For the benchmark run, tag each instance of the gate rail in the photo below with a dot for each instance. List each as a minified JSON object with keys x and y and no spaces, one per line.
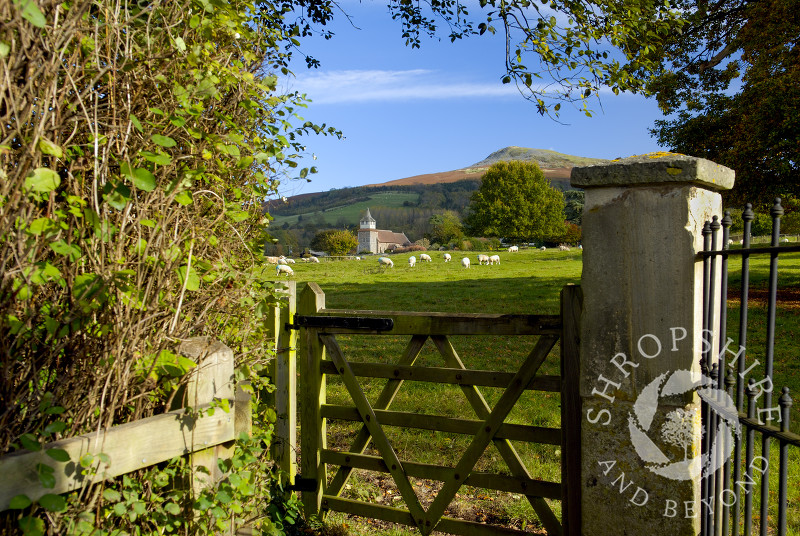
{"x":320,"y":355}
{"x":727,"y":495}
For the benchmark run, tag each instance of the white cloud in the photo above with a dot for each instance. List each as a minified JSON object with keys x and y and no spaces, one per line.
{"x":335,"y":87}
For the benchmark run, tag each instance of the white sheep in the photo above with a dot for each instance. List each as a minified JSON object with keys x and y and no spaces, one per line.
{"x":284,"y":269}
{"x":512,"y":249}
{"x":465,"y":262}
{"x":543,"y":248}
{"x":412,"y":261}
{"x":483,"y":259}
{"x":494,"y":259}
{"x":385,"y":261}
{"x":358,"y":258}
{"x":785,"y":239}
{"x":563,"y":248}
{"x":273,"y":260}
{"x":425,"y":257}
{"x":447,"y":257}
{"x":313,"y":259}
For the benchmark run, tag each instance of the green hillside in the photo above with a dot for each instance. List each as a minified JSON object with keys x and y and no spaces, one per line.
{"x":350,"y":212}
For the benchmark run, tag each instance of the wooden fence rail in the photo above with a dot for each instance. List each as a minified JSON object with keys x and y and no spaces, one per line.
{"x":146,"y":442}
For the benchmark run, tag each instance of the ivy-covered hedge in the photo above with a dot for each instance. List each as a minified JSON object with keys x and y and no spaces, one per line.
{"x":138,"y":142}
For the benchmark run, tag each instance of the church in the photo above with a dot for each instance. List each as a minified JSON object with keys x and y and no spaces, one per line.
{"x":375,"y":240}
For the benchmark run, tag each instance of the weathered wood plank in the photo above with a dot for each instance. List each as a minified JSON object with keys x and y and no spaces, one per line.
{"x":375,"y":511}
{"x":160,"y":438}
{"x":212,"y":379}
{"x":439,"y":423}
{"x":413,"y":323}
{"x":378,"y":437}
{"x":313,"y":430}
{"x":482,"y":378}
{"x":478,"y":479}
{"x":383,"y":402}
{"x":397,"y":515}
{"x":285,"y":380}
{"x":571,"y":307}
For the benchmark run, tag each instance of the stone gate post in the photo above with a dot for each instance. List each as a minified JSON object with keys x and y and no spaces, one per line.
{"x":641,"y":341}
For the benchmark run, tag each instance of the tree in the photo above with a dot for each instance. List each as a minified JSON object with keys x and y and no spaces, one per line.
{"x":516,"y":202}
{"x":733,"y":79}
{"x":445,"y":227}
{"x":335,"y":241}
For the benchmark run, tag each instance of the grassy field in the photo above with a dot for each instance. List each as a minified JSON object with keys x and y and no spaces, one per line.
{"x":353,"y":212}
{"x":524,"y":282}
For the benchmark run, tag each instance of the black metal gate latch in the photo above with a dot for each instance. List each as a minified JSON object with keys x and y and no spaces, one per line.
{"x":342,"y":322}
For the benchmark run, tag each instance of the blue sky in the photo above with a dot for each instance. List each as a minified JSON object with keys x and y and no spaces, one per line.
{"x":408,"y":112}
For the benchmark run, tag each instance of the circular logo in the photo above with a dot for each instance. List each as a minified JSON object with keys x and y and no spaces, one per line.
{"x":680,"y":425}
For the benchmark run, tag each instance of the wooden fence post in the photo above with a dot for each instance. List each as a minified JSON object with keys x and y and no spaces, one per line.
{"x":571,"y":306}
{"x":284,"y":376}
{"x":312,"y":426}
{"x":211,"y":380}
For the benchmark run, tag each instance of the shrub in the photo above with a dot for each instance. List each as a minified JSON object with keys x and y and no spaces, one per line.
{"x":139,"y":142}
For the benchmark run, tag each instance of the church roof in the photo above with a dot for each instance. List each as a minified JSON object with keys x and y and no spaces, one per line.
{"x":390,"y":237}
{"x":368,"y":217}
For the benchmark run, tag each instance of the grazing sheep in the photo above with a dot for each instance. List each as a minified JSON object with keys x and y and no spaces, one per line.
{"x":494,"y":259}
{"x":273,"y":260}
{"x":785,"y":239}
{"x":412,"y":261}
{"x":313,"y":259}
{"x":465,"y":262}
{"x":543,"y":248}
{"x":358,"y":258}
{"x":447,"y":257}
{"x":512,"y":249}
{"x":385,"y":261}
{"x":283,"y":269}
{"x":483,"y":259}
{"x":563,"y":248}
{"x":425,"y":257}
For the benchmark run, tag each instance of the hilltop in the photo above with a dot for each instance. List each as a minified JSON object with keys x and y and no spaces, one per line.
{"x":556,"y":167}
{"x":405,"y":205}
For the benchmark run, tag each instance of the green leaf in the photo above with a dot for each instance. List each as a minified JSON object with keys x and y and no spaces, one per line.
{"x":30,"y":442}
{"x":5,"y":48}
{"x":184,"y":198}
{"x":55,"y":427}
{"x":45,"y":473}
{"x":192,"y":282}
{"x":68,"y":250}
{"x":59,"y":455}
{"x":139,"y":507}
{"x":164,"y":141}
{"x":31,"y":12}
{"x":31,"y":526}
{"x":180,"y":44}
{"x":172,"y":508}
{"x":19,"y":502}
{"x":52,"y":502}
{"x":111,"y":495}
{"x":136,"y":123}
{"x":42,"y":180}
{"x":157,"y":158}
{"x":48,"y":147}
{"x":144,"y":180}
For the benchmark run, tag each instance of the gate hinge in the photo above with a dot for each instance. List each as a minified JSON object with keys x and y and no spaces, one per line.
{"x":342,"y":322}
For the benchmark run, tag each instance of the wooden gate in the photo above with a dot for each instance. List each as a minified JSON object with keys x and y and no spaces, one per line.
{"x":320,"y":354}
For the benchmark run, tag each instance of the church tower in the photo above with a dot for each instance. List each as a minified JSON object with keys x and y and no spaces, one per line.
{"x":367,"y":234}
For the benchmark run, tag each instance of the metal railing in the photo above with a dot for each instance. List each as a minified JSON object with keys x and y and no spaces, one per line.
{"x":727,"y":494}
